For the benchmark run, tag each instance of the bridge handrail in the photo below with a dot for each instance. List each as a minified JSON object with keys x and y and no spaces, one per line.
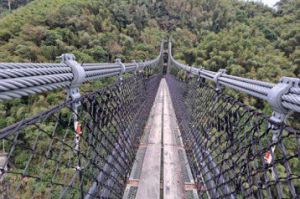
{"x":282,"y":97}
{"x":23,"y":79}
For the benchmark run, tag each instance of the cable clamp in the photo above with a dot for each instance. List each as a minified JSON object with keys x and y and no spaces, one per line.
{"x":279,"y":112}
{"x":78,"y":76}
{"x":216,"y":78}
{"x":275,"y":94}
{"x":199,"y":73}
{"x":123,"y":68}
{"x":137,"y":66}
{"x":191,"y":72}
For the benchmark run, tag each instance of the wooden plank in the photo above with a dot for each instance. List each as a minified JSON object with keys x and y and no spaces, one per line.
{"x":173,"y":179}
{"x":149,"y":184}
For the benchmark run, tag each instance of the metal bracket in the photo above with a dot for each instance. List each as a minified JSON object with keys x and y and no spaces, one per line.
{"x":137,"y":66}
{"x":191,"y":74}
{"x":274,"y":97}
{"x":123,"y":69}
{"x":216,"y":78}
{"x":199,"y":73}
{"x":78,"y":73}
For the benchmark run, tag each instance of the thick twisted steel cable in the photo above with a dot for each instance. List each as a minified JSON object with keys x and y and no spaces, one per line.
{"x":129,"y":65}
{"x":291,"y":106}
{"x":211,"y":72}
{"x":194,"y":70}
{"x":29,"y":72}
{"x":206,"y":77}
{"x":98,"y":64}
{"x":31,"y":65}
{"x":99,"y":72}
{"x":250,"y":92}
{"x":149,"y":63}
{"x":251,"y":87}
{"x":23,"y":79}
{"x":8,"y":95}
{"x":176,"y":64}
{"x":205,"y":72}
{"x":292,"y":98}
{"x":130,"y":69}
{"x":256,"y":82}
{"x":18,"y":83}
{"x":92,"y":68}
{"x":140,"y":64}
{"x":295,"y":90}
{"x":88,"y":79}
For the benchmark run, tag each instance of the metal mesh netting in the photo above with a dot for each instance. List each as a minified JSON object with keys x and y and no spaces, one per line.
{"x":43,"y":160}
{"x":230,"y":147}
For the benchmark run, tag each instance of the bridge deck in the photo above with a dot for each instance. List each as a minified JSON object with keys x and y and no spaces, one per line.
{"x":161,"y":168}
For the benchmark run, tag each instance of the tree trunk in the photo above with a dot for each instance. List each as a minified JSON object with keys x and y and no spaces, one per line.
{"x":9,"y":5}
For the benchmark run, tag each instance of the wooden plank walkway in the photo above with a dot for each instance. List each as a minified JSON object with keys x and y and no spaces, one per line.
{"x":173,"y":180}
{"x":161,"y":174}
{"x":149,"y":184}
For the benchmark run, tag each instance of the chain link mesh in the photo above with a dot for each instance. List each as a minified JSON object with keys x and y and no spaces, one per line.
{"x":231,"y":147}
{"x":44,"y":162}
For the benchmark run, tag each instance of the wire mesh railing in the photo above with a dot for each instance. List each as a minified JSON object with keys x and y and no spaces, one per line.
{"x":63,"y":153}
{"x":231,"y":148}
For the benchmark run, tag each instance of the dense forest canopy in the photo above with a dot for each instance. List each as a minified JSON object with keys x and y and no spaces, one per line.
{"x":248,"y":39}
{"x":244,"y":37}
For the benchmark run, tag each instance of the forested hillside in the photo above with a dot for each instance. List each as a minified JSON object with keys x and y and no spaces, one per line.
{"x":248,"y":39}
{"x":243,"y":37}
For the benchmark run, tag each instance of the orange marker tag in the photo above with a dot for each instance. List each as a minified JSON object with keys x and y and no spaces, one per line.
{"x":77,"y":126}
{"x":268,"y":158}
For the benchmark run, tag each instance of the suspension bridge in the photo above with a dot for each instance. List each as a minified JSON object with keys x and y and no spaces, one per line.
{"x":151,"y":134}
